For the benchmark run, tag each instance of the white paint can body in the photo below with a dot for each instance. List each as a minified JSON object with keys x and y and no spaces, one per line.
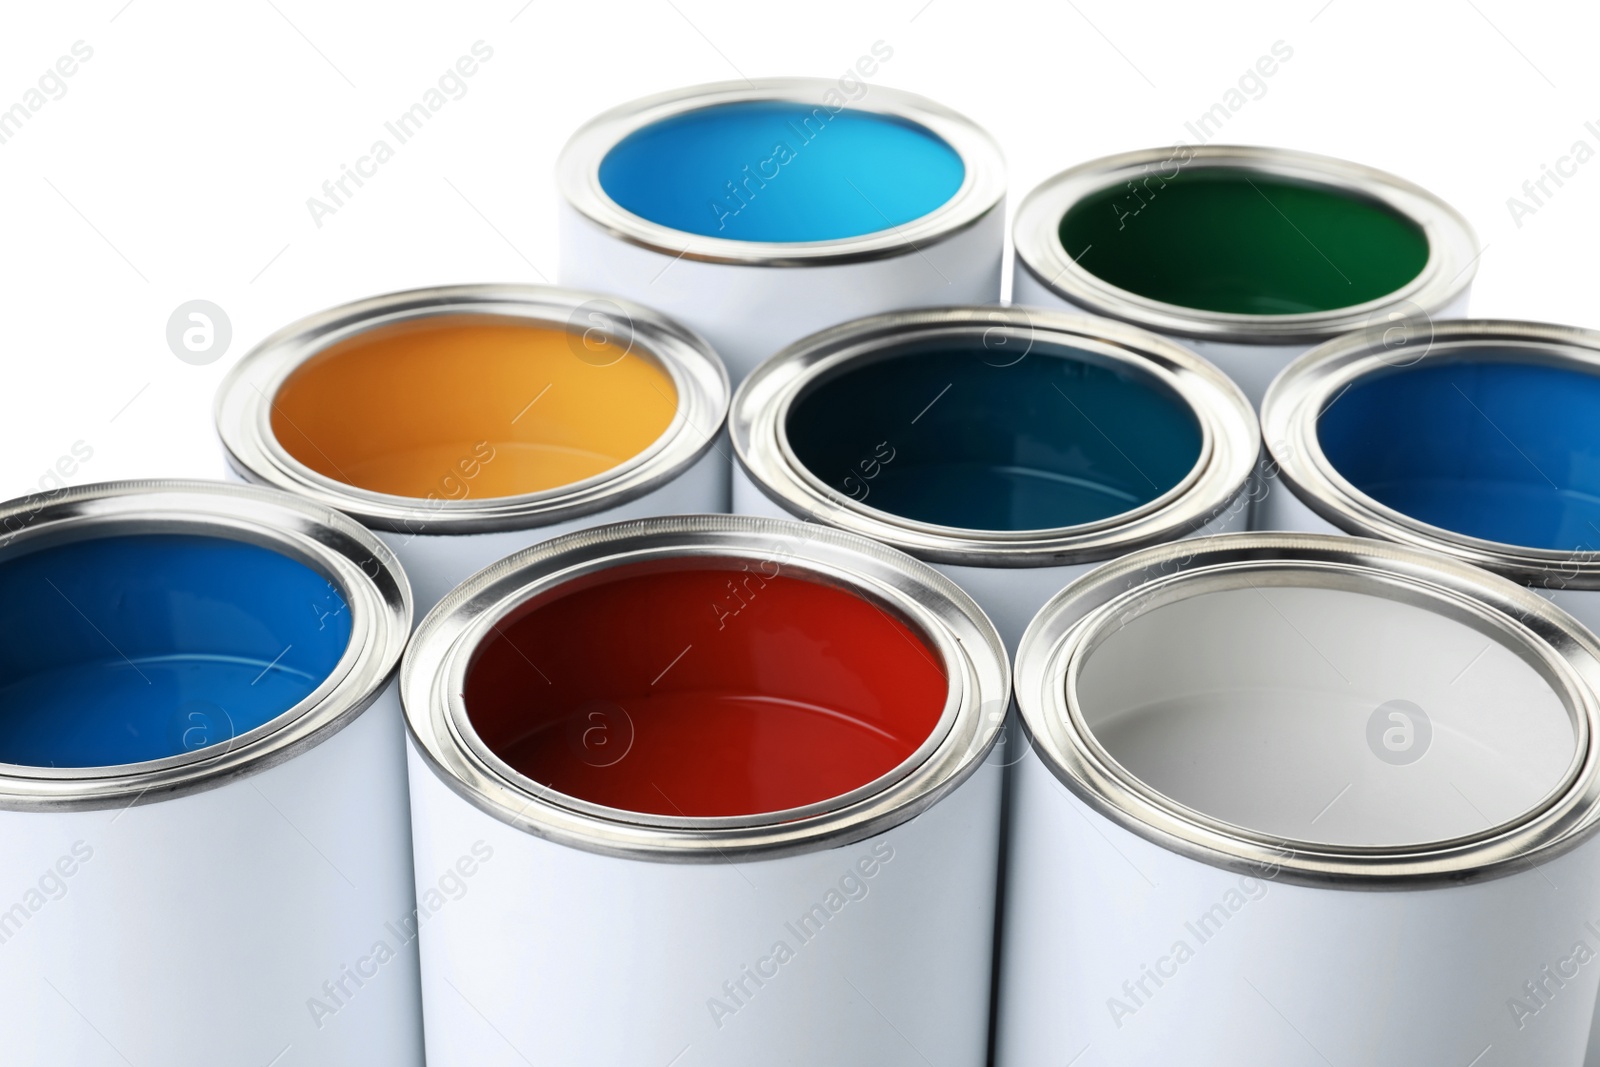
{"x":1266,"y":865}
{"x":752,"y":297}
{"x":1286,"y":294}
{"x":589,"y":934}
{"x":878,"y":426}
{"x":629,"y":403}
{"x":226,"y":904}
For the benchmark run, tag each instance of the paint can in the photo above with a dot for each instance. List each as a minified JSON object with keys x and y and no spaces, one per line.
{"x":203,"y":806}
{"x":1327,"y":799}
{"x":1480,"y":442}
{"x":1012,"y":448}
{"x":462,"y":423}
{"x":1250,"y":255}
{"x":708,"y":780}
{"x":758,"y":212}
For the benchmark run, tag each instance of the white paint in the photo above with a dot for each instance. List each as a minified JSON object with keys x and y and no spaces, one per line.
{"x":1288,"y":975}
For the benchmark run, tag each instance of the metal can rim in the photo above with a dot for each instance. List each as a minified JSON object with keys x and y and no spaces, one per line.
{"x":982,"y":189}
{"x":1298,"y":395}
{"x":1219,"y":480}
{"x":365,"y":570}
{"x":243,"y":405}
{"x":1452,"y":246}
{"x":1569,"y":655}
{"x":975,"y":662}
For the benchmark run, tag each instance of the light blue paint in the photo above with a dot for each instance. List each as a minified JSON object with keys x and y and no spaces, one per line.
{"x":777,"y":171}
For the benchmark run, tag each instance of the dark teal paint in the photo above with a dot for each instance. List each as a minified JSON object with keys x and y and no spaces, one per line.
{"x":1053,"y":440}
{"x":132,"y":648}
{"x":776,"y":171}
{"x":1501,"y":450}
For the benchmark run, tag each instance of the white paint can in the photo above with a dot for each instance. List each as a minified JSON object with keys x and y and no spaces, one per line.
{"x":1250,"y":255}
{"x":1014,"y":449}
{"x":705,"y":781}
{"x":1326,"y":799}
{"x":758,"y":212}
{"x":203,"y":807}
{"x":462,"y":423}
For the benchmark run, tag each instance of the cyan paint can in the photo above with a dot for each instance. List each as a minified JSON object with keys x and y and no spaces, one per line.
{"x":1013,"y":449}
{"x":1483,"y":443}
{"x":1249,"y":255}
{"x":462,"y":423}
{"x":203,"y":809}
{"x":761,"y":211}
{"x":1331,"y":800}
{"x":715,"y":786}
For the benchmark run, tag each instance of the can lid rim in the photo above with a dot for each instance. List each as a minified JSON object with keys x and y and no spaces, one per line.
{"x":1452,"y":246}
{"x":1058,"y":737}
{"x":243,"y":406}
{"x":957,"y":629}
{"x":981,"y":191}
{"x":1218,"y":482}
{"x":1299,"y":394}
{"x":368,"y":576}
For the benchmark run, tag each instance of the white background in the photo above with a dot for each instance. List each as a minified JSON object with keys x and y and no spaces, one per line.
{"x":178,"y":163}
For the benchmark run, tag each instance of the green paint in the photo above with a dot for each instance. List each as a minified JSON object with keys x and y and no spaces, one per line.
{"x":1231,"y":240}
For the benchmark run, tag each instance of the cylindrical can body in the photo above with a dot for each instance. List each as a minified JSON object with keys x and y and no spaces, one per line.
{"x":229,"y":892}
{"x":466,"y":422}
{"x":1478,"y":442}
{"x":1254,"y":813}
{"x":647,"y":887}
{"x":1013,"y":449}
{"x":1265,"y":253}
{"x":728,"y":960}
{"x":782,"y":253}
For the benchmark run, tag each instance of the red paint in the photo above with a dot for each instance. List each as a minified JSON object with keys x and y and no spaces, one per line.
{"x":790,"y":691}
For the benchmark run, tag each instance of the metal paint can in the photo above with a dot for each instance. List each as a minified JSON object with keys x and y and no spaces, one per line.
{"x":708,"y":780}
{"x":1249,"y":255}
{"x":465,"y":422}
{"x":1327,"y":799}
{"x":1014,"y":449}
{"x":1480,"y":443}
{"x":203,"y":807}
{"x":758,"y":212}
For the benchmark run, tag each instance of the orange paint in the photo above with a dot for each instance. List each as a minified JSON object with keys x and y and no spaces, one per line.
{"x":462,"y":406}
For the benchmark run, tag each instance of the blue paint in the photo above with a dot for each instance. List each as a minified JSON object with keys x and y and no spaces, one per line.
{"x":131,"y":648}
{"x":941,"y":436}
{"x":1501,"y":450}
{"x":776,"y":171}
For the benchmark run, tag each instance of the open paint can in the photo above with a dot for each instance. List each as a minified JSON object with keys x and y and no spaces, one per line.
{"x":1327,"y":799}
{"x":1483,"y":443}
{"x":465,"y":422}
{"x":203,"y":806}
{"x":761,"y":211}
{"x":1250,"y":255}
{"x":714,"y":786}
{"x":1013,"y":449}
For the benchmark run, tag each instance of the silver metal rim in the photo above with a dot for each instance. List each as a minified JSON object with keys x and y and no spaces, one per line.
{"x":1230,"y":447}
{"x":1306,"y":387}
{"x":982,"y":189}
{"x":1452,"y":247}
{"x":361,"y":566}
{"x":244,"y":405}
{"x":955,"y":627}
{"x":1546,"y":637}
